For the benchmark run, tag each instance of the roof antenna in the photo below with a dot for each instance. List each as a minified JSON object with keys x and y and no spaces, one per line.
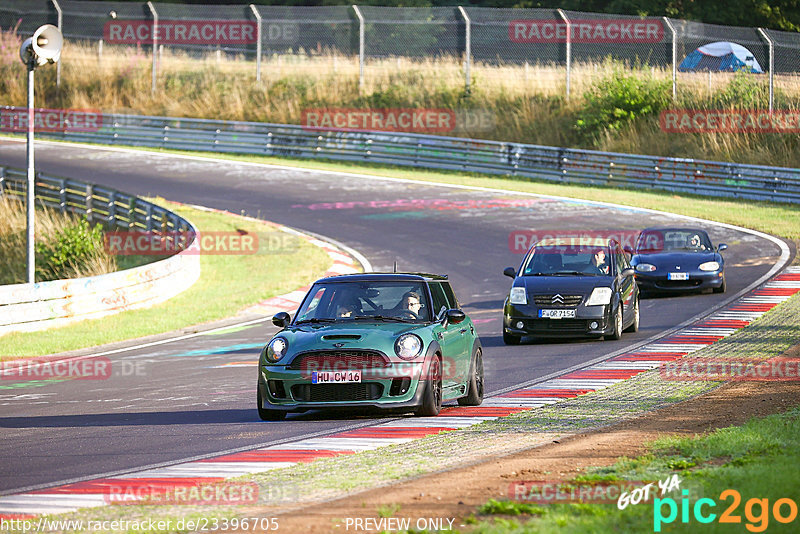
{"x":395,"y":266}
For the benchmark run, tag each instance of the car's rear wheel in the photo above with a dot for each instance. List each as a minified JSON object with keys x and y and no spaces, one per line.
{"x":475,"y":389}
{"x":268,"y":415}
{"x":510,"y":339}
{"x":432,"y":397}
{"x":634,"y":326}
{"x":617,"y":332}
{"x":721,"y":288}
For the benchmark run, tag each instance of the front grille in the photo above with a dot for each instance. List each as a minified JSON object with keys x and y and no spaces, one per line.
{"x":671,"y":284}
{"x":569,"y":301}
{"x":364,"y":391}
{"x":339,"y":360}
{"x":543,"y":326}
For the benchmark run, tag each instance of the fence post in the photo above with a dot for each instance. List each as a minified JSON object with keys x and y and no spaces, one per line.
{"x":360,"y":46}
{"x":89,"y":202}
{"x":771,"y":66}
{"x":60,"y":23}
{"x":155,"y":46}
{"x":467,"y":48}
{"x":674,"y":57}
{"x":2,"y":181}
{"x":569,"y":45}
{"x":258,"y":44}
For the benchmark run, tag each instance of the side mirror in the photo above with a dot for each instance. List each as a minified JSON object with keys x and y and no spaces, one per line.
{"x":721,"y":247}
{"x":510,"y":272}
{"x":281,"y":319}
{"x":454,"y":316}
{"x":627,"y":272}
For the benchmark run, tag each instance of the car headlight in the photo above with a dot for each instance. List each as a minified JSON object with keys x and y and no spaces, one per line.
{"x":518,"y":296}
{"x":276,"y":349}
{"x":709,"y":266}
{"x":645,"y":267}
{"x":600,"y":296}
{"x":408,"y":346}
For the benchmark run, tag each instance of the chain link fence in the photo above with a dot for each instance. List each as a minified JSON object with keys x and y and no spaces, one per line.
{"x":570,"y":44}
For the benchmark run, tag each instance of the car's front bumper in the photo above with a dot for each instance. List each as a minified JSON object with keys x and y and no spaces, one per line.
{"x":697,"y":281}
{"x":395,"y":387}
{"x":589,"y":321}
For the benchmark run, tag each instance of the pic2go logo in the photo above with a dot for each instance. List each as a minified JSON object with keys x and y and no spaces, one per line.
{"x":756,"y":511}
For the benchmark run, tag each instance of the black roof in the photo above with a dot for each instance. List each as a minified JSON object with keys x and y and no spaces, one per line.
{"x":384,"y":277}
{"x":675,"y":229}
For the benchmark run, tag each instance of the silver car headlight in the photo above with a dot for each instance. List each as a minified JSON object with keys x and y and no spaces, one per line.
{"x":709,"y":266}
{"x":408,"y":346}
{"x":518,"y":296}
{"x":600,"y":296}
{"x":276,"y":349}
{"x":645,"y":267}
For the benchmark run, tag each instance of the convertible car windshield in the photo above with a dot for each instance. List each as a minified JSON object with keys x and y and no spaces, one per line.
{"x":676,"y":240}
{"x":361,"y":301}
{"x":561,"y":260}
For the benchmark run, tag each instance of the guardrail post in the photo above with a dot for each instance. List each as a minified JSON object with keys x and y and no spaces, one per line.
{"x":2,"y":181}
{"x":89,"y":201}
{"x":467,"y":48}
{"x":62,"y":195}
{"x":148,"y":218}
{"x":569,"y":45}
{"x":360,"y":47}
{"x":112,"y":210}
{"x":258,"y":38}
{"x":674,"y":57}
{"x":155,"y":46}
{"x":59,"y":25}
{"x":771,"y":66}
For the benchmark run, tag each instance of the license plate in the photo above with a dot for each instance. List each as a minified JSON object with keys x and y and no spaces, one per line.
{"x":335,"y":377}
{"x":678,"y":276}
{"x":556,"y":314}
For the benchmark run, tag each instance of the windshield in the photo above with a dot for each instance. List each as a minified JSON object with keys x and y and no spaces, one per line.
{"x":653,"y":241}
{"x":566,"y":260}
{"x":363,"y":301}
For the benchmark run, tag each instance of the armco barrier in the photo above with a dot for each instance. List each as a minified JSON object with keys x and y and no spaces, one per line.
{"x":437,"y":152}
{"x":30,"y":307}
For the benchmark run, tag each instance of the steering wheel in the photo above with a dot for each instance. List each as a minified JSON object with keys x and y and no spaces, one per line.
{"x":408,"y":314}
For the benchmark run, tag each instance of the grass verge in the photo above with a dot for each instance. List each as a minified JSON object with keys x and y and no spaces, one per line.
{"x":227,"y":284}
{"x":758,"y":461}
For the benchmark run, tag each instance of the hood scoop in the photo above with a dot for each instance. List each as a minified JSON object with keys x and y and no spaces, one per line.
{"x":340,"y":337}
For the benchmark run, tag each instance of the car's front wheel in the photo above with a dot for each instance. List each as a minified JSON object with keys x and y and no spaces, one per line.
{"x":510,"y":339}
{"x":634,"y":326}
{"x":475,"y":389}
{"x":268,"y":415}
{"x":721,"y":288}
{"x":432,"y":397}
{"x":617,"y":332}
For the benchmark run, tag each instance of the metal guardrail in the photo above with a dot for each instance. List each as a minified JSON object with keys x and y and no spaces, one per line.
{"x":710,"y":178}
{"x":30,"y":307}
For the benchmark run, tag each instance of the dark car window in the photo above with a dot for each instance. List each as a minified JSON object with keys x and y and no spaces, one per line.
{"x":439,"y":299}
{"x":564,"y":260}
{"x":341,"y":301}
{"x":620,"y":260}
{"x":673,"y":240}
{"x":451,"y":297}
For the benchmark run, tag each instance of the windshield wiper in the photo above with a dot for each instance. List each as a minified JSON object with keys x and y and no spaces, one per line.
{"x":315,"y":320}
{"x":577,"y":273}
{"x":535,"y":274}
{"x":381,"y":318}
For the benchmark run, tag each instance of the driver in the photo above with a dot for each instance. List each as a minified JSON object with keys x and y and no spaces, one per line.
{"x":598,"y":263}
{"x":411,"y":302}
{"x":695,"y":243}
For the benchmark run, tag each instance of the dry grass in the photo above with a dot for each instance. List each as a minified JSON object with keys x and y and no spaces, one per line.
{"x":48,"y":225}
{"x":527,"y":102}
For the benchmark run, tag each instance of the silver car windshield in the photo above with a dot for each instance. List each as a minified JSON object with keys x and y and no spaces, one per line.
{"x":567,"y":260}
{"x":365,"y":300}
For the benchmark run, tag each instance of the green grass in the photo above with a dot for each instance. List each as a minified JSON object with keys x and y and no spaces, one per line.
{"x":227,"y":284}
{"x":758,"y":460}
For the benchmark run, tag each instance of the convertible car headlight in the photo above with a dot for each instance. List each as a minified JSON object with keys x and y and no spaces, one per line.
{"x":709,"y":266}
{"x":276,"y":349}
{"x":408,"y":346}
{"x":518,"y":296}
{"x":600,"y":296}
{"x":645,"y":267}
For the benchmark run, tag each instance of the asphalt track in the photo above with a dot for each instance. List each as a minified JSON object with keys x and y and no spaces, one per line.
{"x":196,"y":397}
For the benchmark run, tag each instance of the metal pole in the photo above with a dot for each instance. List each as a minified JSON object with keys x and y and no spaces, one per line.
{"x":155,"y":46}
{"x":360,"y":46}
{"x":467,"y":48}
{"x":258,"y":44}
{"x":569,"y":45}
{"x":29,"y":193}
{"x":60,"y":22}
{"x":674,"y":57}
{"x":771,"y":66}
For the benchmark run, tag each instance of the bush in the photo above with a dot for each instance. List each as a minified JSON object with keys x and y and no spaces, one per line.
{"x":74,"y":250}
{"x":615,"y":101}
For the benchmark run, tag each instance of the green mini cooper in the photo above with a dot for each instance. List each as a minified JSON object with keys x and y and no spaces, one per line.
{"x":377,"y":340}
